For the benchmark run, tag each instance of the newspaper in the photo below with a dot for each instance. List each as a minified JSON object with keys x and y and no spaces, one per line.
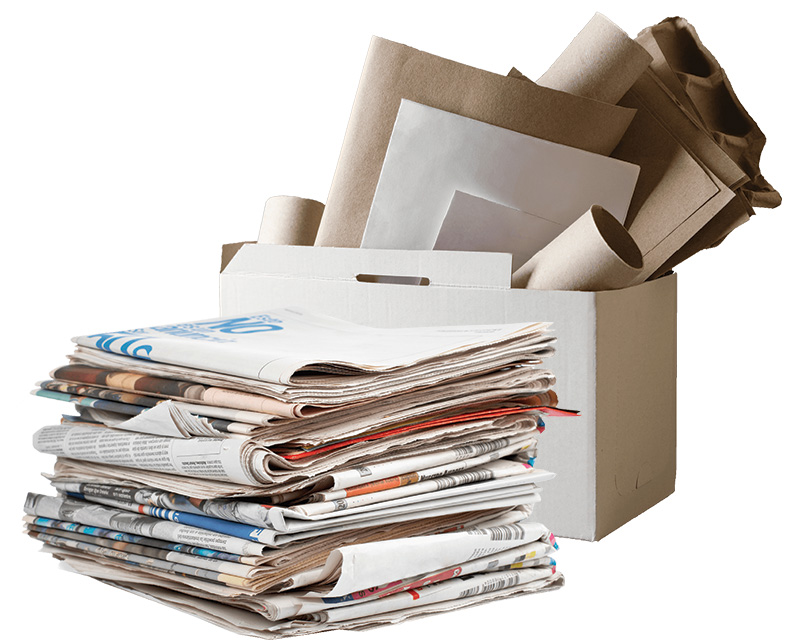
{"x":331,"y":389}
{"x":299,"y":555}
{"x":383,"y":490}
{"x":240,"y":621}
{"x":144,"y":542}
{"x":385,"y":466}
{"x":294,"y":518}
{"x":280,"y":616}
{"x":286,"y":473}
{"x":382,"y":566}
{"x":281,"y":345}
{"x":105,"y":511}
{"x":246,"y":461}
{"x":282,"y":606}
{"x":522,"y":382}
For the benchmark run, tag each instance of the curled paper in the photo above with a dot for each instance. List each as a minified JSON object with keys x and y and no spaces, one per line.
{"x":290,"y":220}
{"x":594,"y":253}
{"x":601,"y":62}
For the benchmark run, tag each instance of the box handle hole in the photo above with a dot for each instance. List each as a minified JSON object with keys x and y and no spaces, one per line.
{"x":406,"y":280}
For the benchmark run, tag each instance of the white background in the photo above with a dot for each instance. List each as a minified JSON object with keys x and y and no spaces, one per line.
{"x":138,"y":137}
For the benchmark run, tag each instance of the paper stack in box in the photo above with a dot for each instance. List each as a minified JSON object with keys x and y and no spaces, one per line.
{"x":626,"y":157}
{"x":287,"y":473}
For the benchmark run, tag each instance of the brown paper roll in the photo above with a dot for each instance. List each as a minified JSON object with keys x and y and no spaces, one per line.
{"x":290,"y":220}
{"x":594,"y":253}
{"x":602,"y":63}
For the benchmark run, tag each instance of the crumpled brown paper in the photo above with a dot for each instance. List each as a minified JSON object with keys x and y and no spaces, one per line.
{"x":701,"y":85}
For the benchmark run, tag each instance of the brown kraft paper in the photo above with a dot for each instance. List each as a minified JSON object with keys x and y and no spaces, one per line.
{"x":702,"y":87}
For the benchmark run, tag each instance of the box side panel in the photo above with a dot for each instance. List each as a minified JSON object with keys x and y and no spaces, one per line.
{"x":567,"y":447}
{"x":636,"y":401}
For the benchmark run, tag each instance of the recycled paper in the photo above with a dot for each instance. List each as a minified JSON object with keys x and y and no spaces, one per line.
{"x":433,"y":153}
{"x":684,"y":200}
{"x":393,"y":72}
{"x":595,"y":253}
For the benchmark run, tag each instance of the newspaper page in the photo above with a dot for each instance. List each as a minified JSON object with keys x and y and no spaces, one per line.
{"x":489,"y":496}
{"x":328,"y":389}
{"x":95,"y":515}
{"x":289,"y":605}
{"x":368,"y":565}
{"x":274,"y":346}
{"x":212,"y":458}
{"x":238,"y":620}
{"x":244,"y":461}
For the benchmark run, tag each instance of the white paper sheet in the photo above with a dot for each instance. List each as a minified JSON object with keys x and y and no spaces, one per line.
{"x":433,"y":153}
{"x":477,"y":224}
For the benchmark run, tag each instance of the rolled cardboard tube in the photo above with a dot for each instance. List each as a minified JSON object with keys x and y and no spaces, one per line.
{"x":290,"y":220}
{"x":601,"y":62}
{"x":594,"y":253}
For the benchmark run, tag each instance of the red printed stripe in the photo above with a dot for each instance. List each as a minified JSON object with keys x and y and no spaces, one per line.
{"x":467,"y":417}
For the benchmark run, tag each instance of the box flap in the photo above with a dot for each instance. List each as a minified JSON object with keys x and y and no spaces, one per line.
{"x":437,"y":268}
{"x":228,"y":251}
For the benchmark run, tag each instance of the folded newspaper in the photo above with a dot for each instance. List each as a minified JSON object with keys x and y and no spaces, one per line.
{"x":287,"y":473}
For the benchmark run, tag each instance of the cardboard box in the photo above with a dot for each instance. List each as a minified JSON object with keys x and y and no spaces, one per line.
{"x":615,"y":356}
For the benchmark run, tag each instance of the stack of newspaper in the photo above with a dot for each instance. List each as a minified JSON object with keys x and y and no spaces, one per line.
{"x":286,"y":473}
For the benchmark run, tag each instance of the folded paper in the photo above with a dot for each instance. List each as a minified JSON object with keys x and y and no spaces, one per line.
{"x":290,"y":220}
{"x":393,"y":71}
{"x":595,"y":253}
{"x":433,"y":153}
{"x":477,"y":224}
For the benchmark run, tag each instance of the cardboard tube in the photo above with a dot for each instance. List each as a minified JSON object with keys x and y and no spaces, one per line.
{"x":290,"y":220}
{"x":594,"y":253}
{"x":602,"y":63}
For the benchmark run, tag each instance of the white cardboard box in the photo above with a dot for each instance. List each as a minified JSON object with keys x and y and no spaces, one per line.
{"x":615,"y":356}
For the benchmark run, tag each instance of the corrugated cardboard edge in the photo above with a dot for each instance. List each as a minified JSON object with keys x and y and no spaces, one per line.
{"x":636,"y":401}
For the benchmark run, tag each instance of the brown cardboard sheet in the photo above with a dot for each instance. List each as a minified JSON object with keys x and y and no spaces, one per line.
{"x":290,"y":220}
{"x":601,"y":62}
{"x":393,"y":71}
{"x":732,"y":215}
{"x":595,"y":253}
{"x":677,"y":195}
